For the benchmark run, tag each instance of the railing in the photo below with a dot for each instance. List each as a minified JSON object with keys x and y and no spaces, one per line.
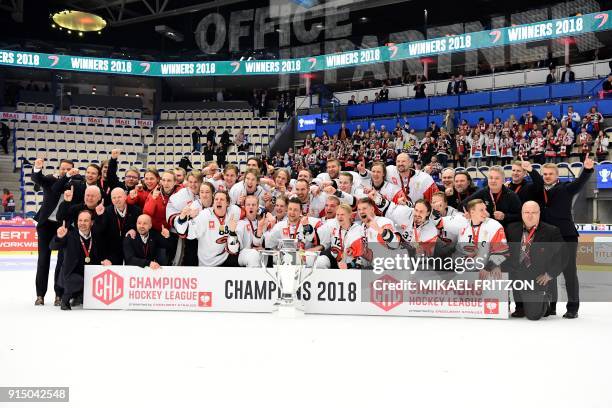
{"x":494,"y":81}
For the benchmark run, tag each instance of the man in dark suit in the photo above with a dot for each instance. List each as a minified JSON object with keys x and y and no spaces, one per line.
{"x":557,"y":199}
{"x":568,"y":75}
{"x":461,"y":85}
{"x":119,"y":220}
{"x":46,"y":218}
{"x":93,"y":174}
{"x":147,"y":247}
{"x":463,"y":187}
{"x":450,"y":88}
{"x":69,"y":209}
{"x":502,"y":203}
{"x":518,"y":184}
{"x":82,"y":246}
{"x":536,"y":255}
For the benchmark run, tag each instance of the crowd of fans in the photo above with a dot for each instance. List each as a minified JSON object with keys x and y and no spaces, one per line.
{"x":541,"y":140}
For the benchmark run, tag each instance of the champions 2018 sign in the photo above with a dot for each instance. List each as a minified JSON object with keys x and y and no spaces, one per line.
{"x":545,"y":30}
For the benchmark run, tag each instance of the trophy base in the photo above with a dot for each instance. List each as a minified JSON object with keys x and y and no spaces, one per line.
{"x":288,"y":310}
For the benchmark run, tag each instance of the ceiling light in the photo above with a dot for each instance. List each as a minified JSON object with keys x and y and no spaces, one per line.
{"x":79,"y":21}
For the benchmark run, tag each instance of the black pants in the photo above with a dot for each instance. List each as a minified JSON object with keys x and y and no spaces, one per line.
{"x":570,"y":274}
{"x":46,"y":231}
{"x":4,"y":143}
{"x":535,"y":302}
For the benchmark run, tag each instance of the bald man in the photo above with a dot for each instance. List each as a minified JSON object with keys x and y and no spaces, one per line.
{"x":118,"y":220}
{"x":147,"y":248}
{"x":536,"y":255}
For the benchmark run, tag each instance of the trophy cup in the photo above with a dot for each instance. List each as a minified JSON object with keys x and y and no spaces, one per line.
{"x":290,"y":271}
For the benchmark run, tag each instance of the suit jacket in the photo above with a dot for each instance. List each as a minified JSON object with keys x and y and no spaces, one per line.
{"x":546,"y":252}
{"x":568,"y":78}
{"x":114,"y":230}
{"x":457,"y":198}
{"x":53,"y":189}
{"x":460,"y":86}
{"x":508,"y":203}
{"x":526,"y":190}
{"x":557,"y":202}
{"x":73,"y":265}
{"x":450,"y":88}
{"x":134,"y":250}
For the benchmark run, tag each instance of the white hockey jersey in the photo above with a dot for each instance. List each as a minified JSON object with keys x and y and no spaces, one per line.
{"x":419,"y":185}
{"x":211,"y":233}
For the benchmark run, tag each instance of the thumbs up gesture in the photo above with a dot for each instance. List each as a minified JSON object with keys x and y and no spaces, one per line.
{"x":62,"y":231}
{"x":588,"y":162}
{"x":39,"y":163}
{"x":155,"y":193}
{"x":115,"y":153}
{"x":68,"y":194}
{"x":164,"y":232}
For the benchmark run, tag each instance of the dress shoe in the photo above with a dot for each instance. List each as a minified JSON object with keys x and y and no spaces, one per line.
{"x":570,"y":315}
{"x":58,"y":301}
{"x":550,"y":312}
{"x":40,"y":301}
{"x":65,"y":305}
{"x":77,"y":301}
{"x":518,"y":313}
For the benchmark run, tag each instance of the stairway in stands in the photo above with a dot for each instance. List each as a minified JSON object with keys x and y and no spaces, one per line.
{"x":9,"y":179}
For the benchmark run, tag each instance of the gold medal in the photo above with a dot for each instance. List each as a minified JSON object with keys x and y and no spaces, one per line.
{"x":87,"y":259}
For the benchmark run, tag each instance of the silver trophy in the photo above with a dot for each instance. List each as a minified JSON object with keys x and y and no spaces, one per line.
{"x":292,"y":267}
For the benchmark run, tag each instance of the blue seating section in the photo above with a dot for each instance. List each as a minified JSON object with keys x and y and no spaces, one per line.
{"x":534,"y":94}
{"x":421,"y":122}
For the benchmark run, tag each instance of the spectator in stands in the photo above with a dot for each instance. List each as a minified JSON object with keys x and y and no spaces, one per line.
{"x":5,"y":134}
{"x":549,"y":119}
{"x":365,"y":99}
{"x":280,"y":108}
{"x":601,"y":146}
{"x":241,"y":142}
{"x":607,"y":87}
{"x":352,"y":101}
{"x":419,"y":88}
{"x":594,"y":119}
{"x":551,"y":77}
{"x":450,"y":88}
{"x":209,"y":151}
{"x":383,"y":95}
{"x":572,"y":119}
{"x":211,"y":135}
{"x":461,"y":85}
{"x":568,"y":75}
{"x":443,"y":148}
{"x":254,"y":101}
{"x":196,"y":137}
{"x":8,"y":200}
{"x":376,"y":97}
{"x":263,"y":104}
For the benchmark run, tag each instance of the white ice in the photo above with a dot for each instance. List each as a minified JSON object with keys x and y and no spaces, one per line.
{"x":177,"y":359}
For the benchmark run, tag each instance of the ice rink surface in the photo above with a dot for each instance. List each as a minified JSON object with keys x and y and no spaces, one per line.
{"x":181,"y":359}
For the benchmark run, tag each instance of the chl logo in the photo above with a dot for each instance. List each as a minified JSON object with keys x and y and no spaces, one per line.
{"x":491,"y":306}
{"x":205,"y":299}
{"x":386,"y":299}
{"x":107,"y":287}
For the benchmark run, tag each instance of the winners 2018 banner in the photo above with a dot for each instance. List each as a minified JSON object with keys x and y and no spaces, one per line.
{"x":545,"y":30}
{"x":349,"y":292}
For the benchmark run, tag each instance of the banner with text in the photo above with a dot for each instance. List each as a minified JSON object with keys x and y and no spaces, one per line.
{"x":251,"y":290}
{"x":545,"y":30}
{"x":96,"y":120}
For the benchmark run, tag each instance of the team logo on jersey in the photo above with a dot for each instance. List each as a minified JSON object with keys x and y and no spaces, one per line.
{"x":211,"y":225}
